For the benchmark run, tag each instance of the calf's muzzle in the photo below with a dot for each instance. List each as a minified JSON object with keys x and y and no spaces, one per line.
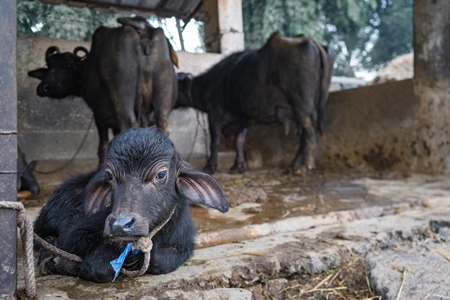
{"x":125,"y":226}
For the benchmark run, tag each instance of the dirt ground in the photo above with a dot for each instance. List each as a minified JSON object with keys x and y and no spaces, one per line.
{"x":264,"y":197}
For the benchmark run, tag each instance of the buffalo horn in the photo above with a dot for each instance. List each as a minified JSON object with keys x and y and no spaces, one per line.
{"x":80,"y":48}
{"x":50,"y":51}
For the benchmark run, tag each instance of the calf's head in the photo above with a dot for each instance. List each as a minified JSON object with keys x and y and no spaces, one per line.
{"x":62,"y":78}
{"x":144,"y":180}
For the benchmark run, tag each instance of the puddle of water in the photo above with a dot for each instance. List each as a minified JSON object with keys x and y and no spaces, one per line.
{"x":287,"y":196}
{"x":268,"y":195}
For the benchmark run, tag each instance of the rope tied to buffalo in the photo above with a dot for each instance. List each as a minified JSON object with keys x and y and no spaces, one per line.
{"x":143,"y":244}
{"x":25,"y":225}
{"x":26,"y":233}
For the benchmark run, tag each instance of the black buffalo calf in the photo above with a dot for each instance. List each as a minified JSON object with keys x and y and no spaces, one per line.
{"x":142,"y":181}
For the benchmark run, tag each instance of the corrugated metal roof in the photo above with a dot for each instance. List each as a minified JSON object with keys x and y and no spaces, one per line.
{"x":182,"y":9}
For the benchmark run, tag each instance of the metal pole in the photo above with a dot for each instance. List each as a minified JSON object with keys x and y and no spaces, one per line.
{"x":8,"y":149}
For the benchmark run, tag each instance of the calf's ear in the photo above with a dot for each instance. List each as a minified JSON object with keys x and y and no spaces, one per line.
{"x":200,"y":188}
{"x":38,"y":73}
{"x":98,"y":195}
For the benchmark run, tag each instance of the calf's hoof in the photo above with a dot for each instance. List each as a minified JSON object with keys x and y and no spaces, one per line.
{"x":44,"y":268}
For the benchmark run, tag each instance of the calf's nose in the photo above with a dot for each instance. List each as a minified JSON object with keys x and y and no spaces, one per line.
{"x":122,"y":225}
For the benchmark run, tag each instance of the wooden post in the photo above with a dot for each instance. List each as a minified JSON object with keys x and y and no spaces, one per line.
{"x":8,"y":149}
{"x":224,"y":31}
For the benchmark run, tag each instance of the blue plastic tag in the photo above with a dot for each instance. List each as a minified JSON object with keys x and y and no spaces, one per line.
{"x":118,"y":262}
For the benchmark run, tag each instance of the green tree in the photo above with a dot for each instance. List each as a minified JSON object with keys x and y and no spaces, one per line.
{"x":263,"y":17}
{"x":63,"y":22}
{"x":364,"y":33}
{"x":345,"y":23}
{"x":60,"y":21}
{"x":392,"y":27}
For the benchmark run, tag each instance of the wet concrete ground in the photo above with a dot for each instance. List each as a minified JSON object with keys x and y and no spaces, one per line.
{"x":272,"y":217}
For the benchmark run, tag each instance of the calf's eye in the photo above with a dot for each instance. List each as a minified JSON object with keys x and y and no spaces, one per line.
{"x":161,"y":175}
{"x":109,"y":175}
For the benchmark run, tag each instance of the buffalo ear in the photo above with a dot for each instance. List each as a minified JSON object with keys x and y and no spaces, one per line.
{"x":200,"y":188}
{"x":38,"y":73}
{"x":98,"y":196}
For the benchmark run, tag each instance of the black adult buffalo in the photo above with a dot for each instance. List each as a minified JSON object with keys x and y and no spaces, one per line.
{"x":287,"y":80}
{"x":127,"y":78}
{"x":142,"y":183}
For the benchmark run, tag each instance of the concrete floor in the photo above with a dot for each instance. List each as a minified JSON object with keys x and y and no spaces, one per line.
{"x":278,"y":225}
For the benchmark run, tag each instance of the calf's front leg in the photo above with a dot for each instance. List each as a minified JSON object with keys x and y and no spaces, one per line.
{"x":95,"y":266}
{"x":166,"y":260}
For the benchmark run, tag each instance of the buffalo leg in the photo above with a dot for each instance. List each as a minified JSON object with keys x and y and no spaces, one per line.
{"x":305,"y":154}
{"x":103,"y":140}
{"x":214,"y":131}
{"x":239,"y":162}
{"x":164,"y":96}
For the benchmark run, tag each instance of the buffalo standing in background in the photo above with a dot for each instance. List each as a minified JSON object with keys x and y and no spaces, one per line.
{"x":287,"y":81}
{"x":142,"y":180}
{"x":127,"y":78}
{"x":25,"y":178}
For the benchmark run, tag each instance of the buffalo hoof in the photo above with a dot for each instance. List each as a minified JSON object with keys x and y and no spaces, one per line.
{"x":303,"y":170}
{"x":310,"y":165}
{"x":209,"y":169}
{"x":237,"y":169}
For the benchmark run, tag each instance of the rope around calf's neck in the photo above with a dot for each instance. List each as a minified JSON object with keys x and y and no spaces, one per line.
{"x":145,"y":245}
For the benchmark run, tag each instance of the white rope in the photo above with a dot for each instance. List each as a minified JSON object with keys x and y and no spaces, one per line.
{"x":26,"y":232}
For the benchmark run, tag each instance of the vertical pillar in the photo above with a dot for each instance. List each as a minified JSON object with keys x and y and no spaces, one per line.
{"x":224,"y":31}
{"x":8,"y":149}
{"x":431,"y":81}
{"x":211,"y":26}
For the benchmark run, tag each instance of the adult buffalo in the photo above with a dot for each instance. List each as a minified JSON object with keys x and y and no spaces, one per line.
{"x":287,"y":80}
{"x":127,"y":78}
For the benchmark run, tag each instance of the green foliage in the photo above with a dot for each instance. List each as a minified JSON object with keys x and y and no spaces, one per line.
{"x":263,"y":17}
{"x":364,"y":33}
{"x":393,"y":27}
{"x":60,"y":21}
{"x":63,"y":22}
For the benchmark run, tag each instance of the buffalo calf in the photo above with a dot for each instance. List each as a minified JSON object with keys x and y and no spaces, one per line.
{"x":142,"y":181}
